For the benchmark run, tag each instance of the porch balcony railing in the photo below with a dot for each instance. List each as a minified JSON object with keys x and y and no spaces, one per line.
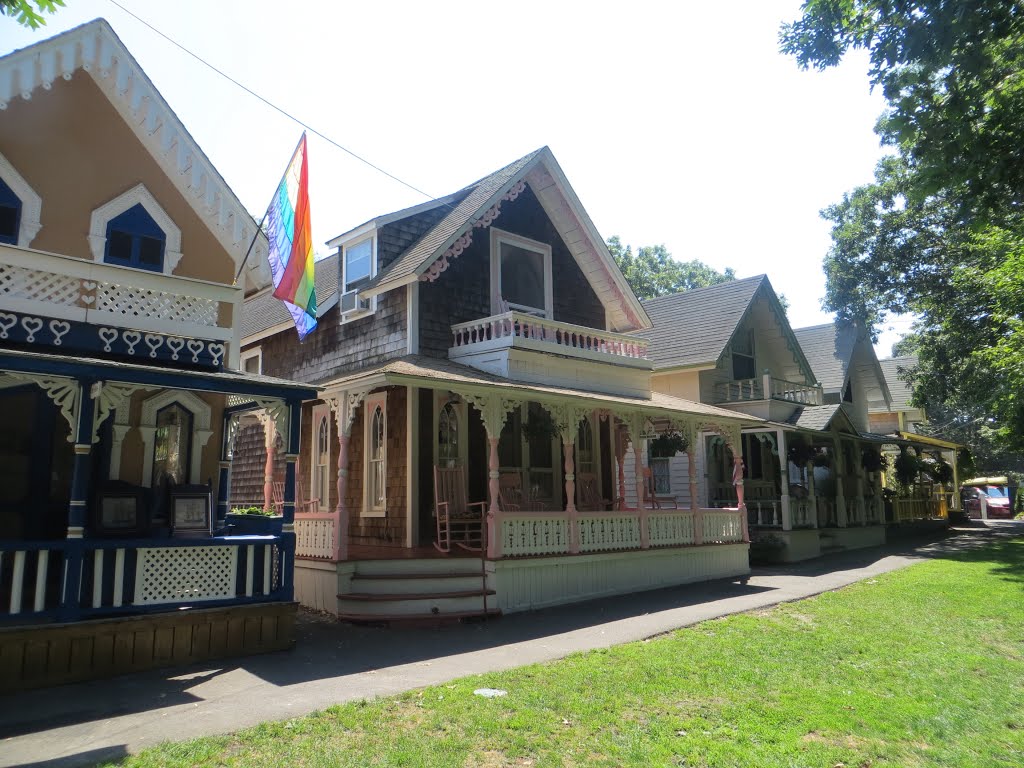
{"x":907,"y":510}
{"x":315,"y":536}
{"x":767,"y":387}
{"x":519,"y":329}
{"x":802,"y":511}
{"x":69,"y":289}
{"x":135,"y":576}
{"x":523,"y":534}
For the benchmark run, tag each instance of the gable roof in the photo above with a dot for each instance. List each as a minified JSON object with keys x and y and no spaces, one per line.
{"x":263,"y":312}
{"x":831,"y":348}
{"x":95,"y":49}
{"x":899,"y":389}
{"x":694,"y":328}
{"x":541,"y":172}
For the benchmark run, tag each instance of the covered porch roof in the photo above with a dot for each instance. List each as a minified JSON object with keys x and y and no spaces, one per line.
{"x":427,"y":371}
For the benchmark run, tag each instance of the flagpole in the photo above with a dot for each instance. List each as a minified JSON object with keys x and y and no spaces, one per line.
{"x":259,"y":227}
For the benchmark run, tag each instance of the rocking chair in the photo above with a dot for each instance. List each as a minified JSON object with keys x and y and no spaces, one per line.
{"x":458,"y":521}
{"x":655,"y":502}
{"x":589,"y":497}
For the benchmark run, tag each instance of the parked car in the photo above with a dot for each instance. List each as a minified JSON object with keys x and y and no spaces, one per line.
{"x":995,"y":496}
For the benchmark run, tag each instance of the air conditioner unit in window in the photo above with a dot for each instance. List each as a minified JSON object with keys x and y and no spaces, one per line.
{"x":351,"y":303}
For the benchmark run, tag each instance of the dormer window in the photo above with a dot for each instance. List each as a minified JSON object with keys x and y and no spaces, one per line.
{"x":520,"y":275}
{"x":135,"y":240}
{"x":358,"y":265}
{"x":10,"y":215}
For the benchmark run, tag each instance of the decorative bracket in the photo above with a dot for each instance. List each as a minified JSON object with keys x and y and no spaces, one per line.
{"x":567,"y":418}
{"x":63,"y":392}
{"x":344,"y":405}
{"x":108,"y":398}
{"x":494,"y":410}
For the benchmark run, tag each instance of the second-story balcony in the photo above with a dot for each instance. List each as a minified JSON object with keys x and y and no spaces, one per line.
{"x":534,"y":349}
{"x":66,"y":304}
{"x":758,"y":396}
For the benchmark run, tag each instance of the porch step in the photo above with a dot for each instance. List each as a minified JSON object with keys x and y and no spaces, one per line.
{"x":410,"y":620}
{"x":426,"y":590}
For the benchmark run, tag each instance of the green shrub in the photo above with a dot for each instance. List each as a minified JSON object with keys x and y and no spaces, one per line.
{"x":254,"y":510}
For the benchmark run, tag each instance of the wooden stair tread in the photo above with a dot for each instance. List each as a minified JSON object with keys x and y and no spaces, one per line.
{"x":371,"y":597}
{"x":413,"y":618}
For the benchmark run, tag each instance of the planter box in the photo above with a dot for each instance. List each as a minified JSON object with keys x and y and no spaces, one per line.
{"x":254,"y":525}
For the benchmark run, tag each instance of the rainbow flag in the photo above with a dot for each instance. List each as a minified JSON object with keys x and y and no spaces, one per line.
{"x":291,"y":243}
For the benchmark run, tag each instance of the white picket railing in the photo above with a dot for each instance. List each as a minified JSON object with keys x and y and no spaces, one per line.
{"x":767,"y":387}
{"x":562,"y":338}
{"x":314,"y":535}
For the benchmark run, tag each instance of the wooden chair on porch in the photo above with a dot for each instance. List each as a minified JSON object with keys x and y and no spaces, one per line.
{"x":277,"y":496}
{"x":589,"y":496}
{"x":458,"y":521}
{"x":652,"y":501}
{"x":510,"y":492}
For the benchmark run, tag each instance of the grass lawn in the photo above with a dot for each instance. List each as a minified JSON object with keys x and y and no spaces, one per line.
{"x":921,"y":667}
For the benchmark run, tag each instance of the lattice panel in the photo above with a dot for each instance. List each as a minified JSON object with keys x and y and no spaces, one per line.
{"x":35,"y":285}
{"x":721,"y":527}
{"x":314,"y":538}
{"x":185,"y":574}
{"x":670,"y":530}
{"x":611,"y":532}
{"x":526,"y":536}
{"x":129,"y":301}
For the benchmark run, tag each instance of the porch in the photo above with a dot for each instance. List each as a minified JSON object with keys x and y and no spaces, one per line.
{"x":547,"y":465}
{"x":106,"y":521}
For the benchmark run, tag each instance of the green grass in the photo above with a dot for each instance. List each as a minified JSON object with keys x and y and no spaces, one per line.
{"x":921,"y":667}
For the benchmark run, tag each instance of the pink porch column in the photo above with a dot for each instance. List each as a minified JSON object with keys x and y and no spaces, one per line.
{"x":698,"y":517}
{"x":341,"y":512}
{"x":493,"y":475}
{"x":570,"y":495}
{"x":620,"y":458}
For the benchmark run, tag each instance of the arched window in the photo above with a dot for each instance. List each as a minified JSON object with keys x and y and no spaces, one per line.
{"x":172,"y":445}
{"x":376,"y":456}
{"x":135,"y":240}
{"x":10,"y":215}
{"x":448,"y":454}
{"x":320,"y":486}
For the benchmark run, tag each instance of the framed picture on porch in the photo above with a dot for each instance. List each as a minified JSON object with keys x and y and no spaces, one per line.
{"x":121,"y":512}
{"x":190,"y":509}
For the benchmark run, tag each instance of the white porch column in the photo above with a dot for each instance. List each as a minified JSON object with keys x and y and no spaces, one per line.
{"x":812,"y":494}
{"x":787,"y":512}
{"x":837,"y":466}
{"x":118,"y":432}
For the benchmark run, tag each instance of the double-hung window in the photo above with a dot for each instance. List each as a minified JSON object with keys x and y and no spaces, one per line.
{"x":375,"y":451}
{"x":358,"y":264}
{"x":743,"y":362}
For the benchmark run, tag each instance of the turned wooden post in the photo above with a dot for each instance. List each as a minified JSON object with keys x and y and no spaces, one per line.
{"x":493,"y":475}
{"x":698,"y":517}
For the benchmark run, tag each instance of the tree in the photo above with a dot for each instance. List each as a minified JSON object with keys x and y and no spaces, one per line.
{"x":941,"y":231}
{"x":652,"y":271}
{"x":28,"y":16}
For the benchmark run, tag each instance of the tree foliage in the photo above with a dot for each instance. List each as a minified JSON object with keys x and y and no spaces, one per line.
{"x":940,"y":233}
{"x":26,"y":15}
{"x":652,"y":271}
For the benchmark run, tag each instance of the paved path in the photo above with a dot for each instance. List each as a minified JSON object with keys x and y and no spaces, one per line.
{"x":86,"y":723}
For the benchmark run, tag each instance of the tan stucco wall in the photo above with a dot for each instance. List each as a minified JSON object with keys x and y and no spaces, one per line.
{"x":77,"y":153}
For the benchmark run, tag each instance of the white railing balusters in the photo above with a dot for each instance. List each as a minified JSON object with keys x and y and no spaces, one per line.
{"x":515,"y":324}
{"x":17,"y":581}
{"x":42,"y":565}
{"x":249,"y":556}
{"x":118,"y":577}
{"x":97,"y":578}
{"x":266,"y":568}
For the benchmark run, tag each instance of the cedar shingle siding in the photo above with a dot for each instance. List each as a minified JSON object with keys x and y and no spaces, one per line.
{"x":249,"y":462}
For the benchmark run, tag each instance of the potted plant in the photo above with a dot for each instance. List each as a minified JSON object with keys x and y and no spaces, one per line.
{"x":667,"y":445}
{"x":253,"y":521}
{"x":541,"y":427}
{"x":800,"y":451}
{"x":939,"y":471}
{"x":906,"y":468}
{"x":822,"y":459}
{"x":871,"y":459}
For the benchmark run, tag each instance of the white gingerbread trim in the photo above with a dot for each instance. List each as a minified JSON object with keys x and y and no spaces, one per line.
{"x":31,"y":203}
{"x":201,"y":414}
{"x":137,"y":195}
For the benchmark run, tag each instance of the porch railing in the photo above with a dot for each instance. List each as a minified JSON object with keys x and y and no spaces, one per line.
{"x":767,"y":387}
{"x":65,"y":288}
{"x":121,"y":576}
{"x":524,"y":534}
{"x":802,"y":511}
{"x":315,"y":536}
{"x":906,"y":510}
{"x":521,"y":329}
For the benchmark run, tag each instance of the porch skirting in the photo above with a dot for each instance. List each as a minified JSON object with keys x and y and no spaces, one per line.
{"x":527,"y":584}
{"x":318,"y":583}
{"x":51,"y":654}
{"x":852,"y":538}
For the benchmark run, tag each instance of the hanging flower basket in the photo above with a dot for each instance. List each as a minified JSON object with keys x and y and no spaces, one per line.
{"x":939,"y":471}
{"x":822,"y":459}
{"x":800,"y":451}
{"x":871,"y":459}
{"x":540,"y":427}
{"x":667,"y":445}
{"x":906,"y":467}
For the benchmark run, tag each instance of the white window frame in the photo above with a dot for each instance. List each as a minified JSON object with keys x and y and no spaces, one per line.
{"x":321,"y":415}
{"x":667,"y":464}
{"x":249,"y":354}
{"x":462,"y":413}
{"x":498,"y":303}
{"x":370,"y":406}
{"x":137,"y":195}
{"x":355,"y":314}
{"x":31,"y":203}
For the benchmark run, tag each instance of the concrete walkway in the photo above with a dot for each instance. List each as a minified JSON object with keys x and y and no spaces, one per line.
{"x":86,"y":723}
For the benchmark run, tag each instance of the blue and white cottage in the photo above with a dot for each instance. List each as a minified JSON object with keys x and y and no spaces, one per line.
{"x":119,"y":390}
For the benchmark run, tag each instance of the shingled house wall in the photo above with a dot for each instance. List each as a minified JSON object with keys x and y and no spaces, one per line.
{"x":463,"y":291}
{"x":249,"y":463}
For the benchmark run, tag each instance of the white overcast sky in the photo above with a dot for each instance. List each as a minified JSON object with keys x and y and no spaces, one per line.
{"x":676,"y":123}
